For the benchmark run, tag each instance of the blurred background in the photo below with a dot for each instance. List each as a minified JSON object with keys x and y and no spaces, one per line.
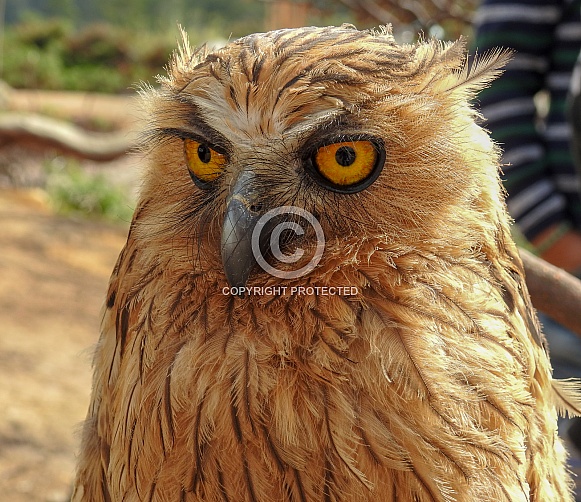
{"x":69,"y":71}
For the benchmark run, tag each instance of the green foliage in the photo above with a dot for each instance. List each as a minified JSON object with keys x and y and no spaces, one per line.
{"x":218,"y":18}
{"x":98,"y":44}
{"x":28,"y":66}
{"x":48,"y":54}
{"x":42,"y":33}
{"x":109,"y":46}
{"x":94,"y":78}
{"x":71,"y":190}
{"x":224,"y":17}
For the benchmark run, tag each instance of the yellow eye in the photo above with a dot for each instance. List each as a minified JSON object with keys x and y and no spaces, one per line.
{"x":205,"y":164}
{"x":347,"y":163}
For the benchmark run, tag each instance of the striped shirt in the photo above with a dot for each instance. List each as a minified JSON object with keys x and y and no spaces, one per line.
{"x":539,"y":172}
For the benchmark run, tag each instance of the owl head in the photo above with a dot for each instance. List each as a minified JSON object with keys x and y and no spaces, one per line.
{"x":378,"y":142}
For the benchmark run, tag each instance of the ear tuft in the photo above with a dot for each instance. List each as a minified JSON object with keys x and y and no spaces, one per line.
{"x":478,"y":73}
{"x":182,"y":61}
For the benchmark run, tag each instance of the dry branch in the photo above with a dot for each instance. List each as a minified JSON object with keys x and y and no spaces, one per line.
{"x":46,"y":132}
{"x":553,"y":291}
{"x":421,"y":13}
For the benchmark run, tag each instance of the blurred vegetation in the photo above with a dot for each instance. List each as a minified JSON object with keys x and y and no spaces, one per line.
{"x":74,"y":191}
{"x":109,"y":46}
{"x":50,"y":54}
{"x":222,"y":17}
{"x":106,"y":45}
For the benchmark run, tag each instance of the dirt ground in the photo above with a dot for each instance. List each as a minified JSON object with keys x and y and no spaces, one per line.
{"x":53,"y":277}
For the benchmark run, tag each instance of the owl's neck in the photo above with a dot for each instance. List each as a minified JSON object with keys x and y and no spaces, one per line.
{"x":308,"y":381}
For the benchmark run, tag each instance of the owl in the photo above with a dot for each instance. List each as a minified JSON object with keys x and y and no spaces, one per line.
{"x":319,"y":298}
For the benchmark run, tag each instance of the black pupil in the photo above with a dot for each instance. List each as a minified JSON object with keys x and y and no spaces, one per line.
{"x":204,"y":153}
{"x":345,"y":156}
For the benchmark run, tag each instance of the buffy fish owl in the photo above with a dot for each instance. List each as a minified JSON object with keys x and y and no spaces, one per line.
{"x":319,"y":298}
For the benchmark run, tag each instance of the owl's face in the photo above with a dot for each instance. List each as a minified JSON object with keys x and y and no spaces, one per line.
{"x":375,"y":140}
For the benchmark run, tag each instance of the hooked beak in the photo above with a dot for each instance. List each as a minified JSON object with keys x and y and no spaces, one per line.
{"x":242,"y":213}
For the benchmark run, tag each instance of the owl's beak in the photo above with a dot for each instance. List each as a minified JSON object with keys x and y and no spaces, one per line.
{"x":242,"y":214}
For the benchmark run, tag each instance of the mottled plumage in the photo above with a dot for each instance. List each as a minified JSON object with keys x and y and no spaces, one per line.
{"x":427,"y":381}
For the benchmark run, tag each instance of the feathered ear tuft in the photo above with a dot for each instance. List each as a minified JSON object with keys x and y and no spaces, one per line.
{"x":478,"y":73}
{"x":183,"y":55}
{"x":182,"y":61}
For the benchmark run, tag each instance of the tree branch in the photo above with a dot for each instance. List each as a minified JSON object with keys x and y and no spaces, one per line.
{"x":424,"y":13}
{"x":553,"y":291}
{"x":51,"y":133}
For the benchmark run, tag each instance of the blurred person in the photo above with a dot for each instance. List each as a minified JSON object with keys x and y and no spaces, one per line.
{"x":543,"y":186}
{"x":540,"y":175}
